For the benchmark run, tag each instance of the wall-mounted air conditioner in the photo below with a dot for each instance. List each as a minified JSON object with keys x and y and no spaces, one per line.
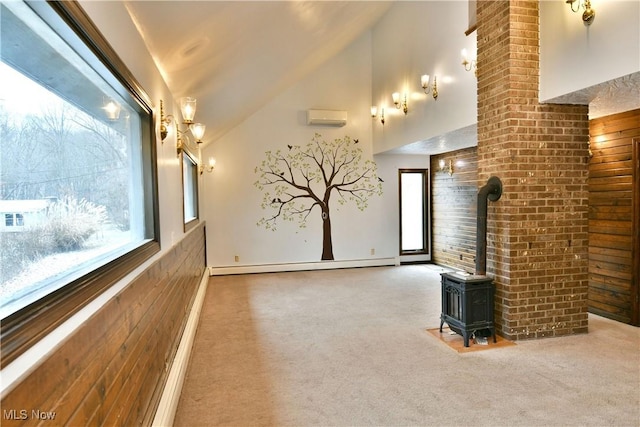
{"x":326,"y":117}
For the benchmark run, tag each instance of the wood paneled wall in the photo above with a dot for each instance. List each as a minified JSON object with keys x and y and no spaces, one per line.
{"x":111,"y":371}
{"x":612,"y":291}
{"x":453,"y":209}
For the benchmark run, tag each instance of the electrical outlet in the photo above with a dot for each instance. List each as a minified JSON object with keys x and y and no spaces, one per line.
{"x":373,"y":251}
{"x":237,"y":258}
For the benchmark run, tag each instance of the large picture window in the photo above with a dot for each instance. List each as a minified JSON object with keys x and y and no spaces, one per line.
{"x":77,"y":167}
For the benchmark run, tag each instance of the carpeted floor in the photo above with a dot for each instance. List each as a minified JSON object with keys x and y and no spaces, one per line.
{"x":351,"y":348}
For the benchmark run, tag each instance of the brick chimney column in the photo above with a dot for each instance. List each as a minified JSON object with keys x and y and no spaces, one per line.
{"x":538,"y":231}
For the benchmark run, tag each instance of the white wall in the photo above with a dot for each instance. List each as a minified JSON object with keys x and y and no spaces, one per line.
{"x":574,"y":56}
{"x":231,"y":202}
{"x":416,"y":38}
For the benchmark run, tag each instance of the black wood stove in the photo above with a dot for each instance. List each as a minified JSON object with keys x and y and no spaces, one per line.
{"x":468,"y":299}
{"x":467,"y":304}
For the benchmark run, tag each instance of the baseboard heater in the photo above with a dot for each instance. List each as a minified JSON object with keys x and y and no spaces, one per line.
{"x":302,"y":266}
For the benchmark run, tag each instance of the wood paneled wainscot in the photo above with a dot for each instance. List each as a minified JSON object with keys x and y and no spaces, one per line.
{"x":613,"y":210}
{"x":112,"y":369}
{"x":453,"y":208}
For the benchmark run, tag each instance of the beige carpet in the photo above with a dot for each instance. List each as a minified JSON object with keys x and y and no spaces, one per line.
{"x":350,"y":348}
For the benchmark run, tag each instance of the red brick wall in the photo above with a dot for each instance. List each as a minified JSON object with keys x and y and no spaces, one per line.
{"x":538,"y":231}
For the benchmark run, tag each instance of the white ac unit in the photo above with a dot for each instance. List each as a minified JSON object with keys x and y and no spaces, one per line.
{"x":326,"y":117}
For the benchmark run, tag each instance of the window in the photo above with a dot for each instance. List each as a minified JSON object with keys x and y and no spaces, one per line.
{"x":413,"y":211}
{"x":78,"y":159}
{"x":13,"y":220}
{"x":189,"y":189}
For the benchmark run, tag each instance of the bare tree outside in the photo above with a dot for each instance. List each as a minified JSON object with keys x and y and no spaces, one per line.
{"x":300,"y":179}
{"x":64,"y":187}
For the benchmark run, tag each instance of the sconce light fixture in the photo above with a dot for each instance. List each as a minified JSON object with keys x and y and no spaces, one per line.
{"x":188,"y":109}
{"x":374,"y":113}
{"x":112,"y":110}
{"x":468,"y":65}
{"x":398,"y":103}
{"x":443,"y":166}
{"x":209,"y":167}
{"x":424,"y":82}
{"x":588,"y":15}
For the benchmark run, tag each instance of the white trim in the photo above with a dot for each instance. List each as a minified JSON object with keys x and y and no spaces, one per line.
{"x":323,"y":265}
{"x":168,"y":405}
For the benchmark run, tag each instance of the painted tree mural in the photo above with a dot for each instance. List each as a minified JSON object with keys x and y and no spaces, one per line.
{"x":301,"y":179}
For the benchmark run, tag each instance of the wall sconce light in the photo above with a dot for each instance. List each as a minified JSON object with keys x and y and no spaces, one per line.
{"x":424,"y":82}
{"x":209,"y":167}
{"x":443,"y":167}
{"x":188,"y":109}
{"x":398,"y":104}
{"x":112,"y":110}
{"x":374,"y":113}
{"x":468,"y":65}
{"x":589,"y":14}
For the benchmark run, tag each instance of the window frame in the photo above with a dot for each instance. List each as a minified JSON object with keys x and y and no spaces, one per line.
{"x":23,"y":328}
{"x":190,"y":223}
{"x":425,"y":212}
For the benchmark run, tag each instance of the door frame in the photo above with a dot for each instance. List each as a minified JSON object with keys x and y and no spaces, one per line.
{"x":426,"y":197}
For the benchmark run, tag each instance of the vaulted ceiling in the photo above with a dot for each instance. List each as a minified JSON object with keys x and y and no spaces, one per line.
{"x":235,"y":56}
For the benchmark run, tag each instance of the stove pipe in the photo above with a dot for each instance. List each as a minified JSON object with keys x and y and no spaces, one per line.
{"x":491,"y":191}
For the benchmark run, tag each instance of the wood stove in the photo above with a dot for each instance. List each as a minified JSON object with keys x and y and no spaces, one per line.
{"x":467,"y":300}
{"x":467,"y":304}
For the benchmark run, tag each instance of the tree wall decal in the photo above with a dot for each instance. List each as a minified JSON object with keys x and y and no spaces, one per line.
{"x":303,"y":178}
